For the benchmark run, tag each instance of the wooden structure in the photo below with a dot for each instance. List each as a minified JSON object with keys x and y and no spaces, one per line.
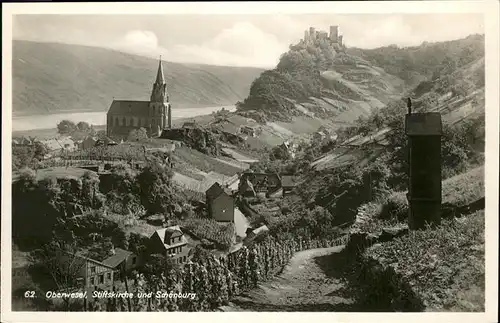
{"x":424,"y":132}
{"x":89,"y":272}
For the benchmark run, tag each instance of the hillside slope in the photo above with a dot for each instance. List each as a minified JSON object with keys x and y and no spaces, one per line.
{"x":53,"y":78}
{"x":458,"y":96}
{"x":323,"y":81}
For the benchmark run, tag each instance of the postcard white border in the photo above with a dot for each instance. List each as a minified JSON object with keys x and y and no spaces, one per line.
{"x":489,"y":8}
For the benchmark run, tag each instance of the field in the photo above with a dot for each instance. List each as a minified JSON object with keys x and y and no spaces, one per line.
{"x":203,"y":162}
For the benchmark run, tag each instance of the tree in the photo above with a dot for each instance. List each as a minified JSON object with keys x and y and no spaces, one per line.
{"x":156,"y":189}
{"x":90,"y":190}
{"x":60,"y":261}
{"x":101,"y":134}
{"x":83,"y":126}
{"x":102,"y":250}
{"x":66,"y":127}
{"x":137,"y":134}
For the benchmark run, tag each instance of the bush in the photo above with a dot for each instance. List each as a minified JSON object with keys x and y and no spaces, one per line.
{"x":395,"y":208}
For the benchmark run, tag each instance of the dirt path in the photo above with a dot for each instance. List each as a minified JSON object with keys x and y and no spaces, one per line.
{"x":308,"y":283}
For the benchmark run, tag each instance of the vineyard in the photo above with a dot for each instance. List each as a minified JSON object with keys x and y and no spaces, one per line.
{"x":221,"y":234}
{"x":215,"y":281}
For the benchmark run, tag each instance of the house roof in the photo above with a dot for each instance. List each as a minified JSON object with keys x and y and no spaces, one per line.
{"x":116,"y":259}
{"x":87,"y":259}
{"x":216,"y":190}
{"x":260,"y":229}
{"x":287,"y":181}
{"x":55,"y":144}
{"x":129,"y":108}
{"x":167,"y":233}
{"x":270,"y":176}
{"x":106,"y":141}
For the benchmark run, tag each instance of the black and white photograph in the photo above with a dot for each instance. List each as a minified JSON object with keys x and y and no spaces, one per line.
{"x":171,"y":159}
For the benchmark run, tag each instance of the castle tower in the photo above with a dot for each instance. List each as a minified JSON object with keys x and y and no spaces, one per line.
{"x":306,"y":36}
{"x":340,"y":40}
{"x":312,"y":33}
{"x":334,"y":33}
{"x":159,"y":105}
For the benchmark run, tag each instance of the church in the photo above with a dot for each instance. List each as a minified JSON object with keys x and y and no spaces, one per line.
{"x":153,"y":115}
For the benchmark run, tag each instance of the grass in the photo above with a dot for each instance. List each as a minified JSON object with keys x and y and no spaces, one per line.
{"x":44,"y":79}
{"x":445,"y":266}
{"x":458,"y":191}
{"x":130,"y":224}
{"x":203,"y":162}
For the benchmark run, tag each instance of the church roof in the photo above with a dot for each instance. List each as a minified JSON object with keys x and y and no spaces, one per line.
{"x":129,"y":108}
{"x":160,"y":79}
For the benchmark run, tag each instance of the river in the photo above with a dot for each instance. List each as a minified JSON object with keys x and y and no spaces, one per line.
{"x":50,"y":121}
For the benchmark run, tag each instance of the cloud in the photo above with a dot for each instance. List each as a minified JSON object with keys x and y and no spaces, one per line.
{"x":241,"y":45}
{"x":143,"y":42}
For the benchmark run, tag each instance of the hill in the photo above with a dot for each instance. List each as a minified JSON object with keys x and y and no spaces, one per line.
{"x":53,"y":78}
{"x":322,"y":81}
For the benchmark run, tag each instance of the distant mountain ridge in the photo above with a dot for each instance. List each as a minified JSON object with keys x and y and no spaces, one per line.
{"x":53,"y":78}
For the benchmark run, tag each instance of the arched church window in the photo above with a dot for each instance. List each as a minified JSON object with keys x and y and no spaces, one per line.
{"x":123,"y":122}
{"x":135,"y":122}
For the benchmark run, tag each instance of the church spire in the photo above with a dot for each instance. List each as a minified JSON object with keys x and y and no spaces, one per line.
{"x":159,"y":75}
{"x":159,"y":93}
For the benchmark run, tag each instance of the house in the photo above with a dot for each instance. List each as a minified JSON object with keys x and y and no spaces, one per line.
{"x":220,"y":203}
{"x":64,"y":144}
{"x":170,"y":242}
{"x":318,"y":136}
{"x":88,"y":142}
{"x":25,"y":142}
{"x":189,"y":124}
{"x":122,"y":260}
{"x":289,"y":148}
{"x":323,"y":135}
{"x":287,"y":183}
{"x":255,"y":233}
{"x":246,"y":188}
{"x":89,"y":272}
{"x":250,"y":131}
{"x":263,"y":182}
{"x":106,"y":141}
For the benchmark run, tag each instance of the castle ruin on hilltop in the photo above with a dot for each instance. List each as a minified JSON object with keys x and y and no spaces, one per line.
{"x":312,"y":35}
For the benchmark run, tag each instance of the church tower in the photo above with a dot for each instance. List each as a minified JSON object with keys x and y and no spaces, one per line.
{"x":159,"y":105}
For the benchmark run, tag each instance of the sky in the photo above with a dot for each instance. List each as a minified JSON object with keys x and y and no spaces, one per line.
{"x":238,"y":40}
